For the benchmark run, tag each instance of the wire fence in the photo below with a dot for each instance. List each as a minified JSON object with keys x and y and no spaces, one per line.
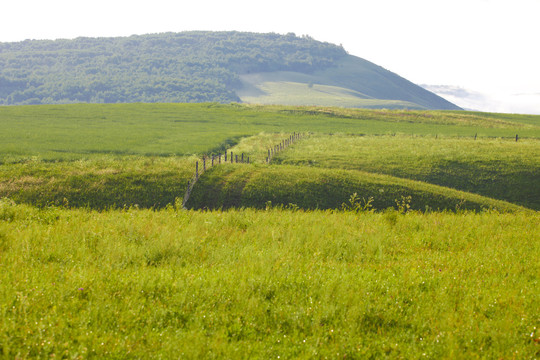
{"x":208,"y":162}
{"x":283,"y":145}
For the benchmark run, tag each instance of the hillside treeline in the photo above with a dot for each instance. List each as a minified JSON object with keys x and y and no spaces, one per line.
{"x":171,"y":67}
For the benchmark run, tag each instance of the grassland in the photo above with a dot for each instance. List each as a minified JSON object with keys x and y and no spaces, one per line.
{"x":267,"y":284}
{"x":319,"y":188}
{"x":98,"y":260}
{"x":99,"y":182}
{"x":499,"y":168}
{"x":350,"y":82}
{"x":103,"y":156}
{"x":73,"y":132}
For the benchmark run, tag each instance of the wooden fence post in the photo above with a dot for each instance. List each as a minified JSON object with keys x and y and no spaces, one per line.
{"x":204,"y":163}
{"x":232,"y":160}
{"x":197,"y":170}
{"x":219,"y":158}
{"x":516,"y":138}
{"x":212,"y":160}
{"x":242,"y":158}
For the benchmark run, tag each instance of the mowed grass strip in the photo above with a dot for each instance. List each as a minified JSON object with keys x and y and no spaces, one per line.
{"x":267,"y":284}
{"x":499,"y":168}
{"x":296,"y":93}
{"x":259,"y":186}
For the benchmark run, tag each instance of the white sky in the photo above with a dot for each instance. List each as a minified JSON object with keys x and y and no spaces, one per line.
{"x":490,"y":46}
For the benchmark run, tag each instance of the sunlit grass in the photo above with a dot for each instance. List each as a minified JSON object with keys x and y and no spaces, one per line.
{"x":296,"y":93}
{"x":282,"y":281}
{"x":263,"y":284}
{"x":99,"y":182}
{"x":80,"y":131}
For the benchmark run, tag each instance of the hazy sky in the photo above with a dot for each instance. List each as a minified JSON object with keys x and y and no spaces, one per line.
{"x":488,"y":46}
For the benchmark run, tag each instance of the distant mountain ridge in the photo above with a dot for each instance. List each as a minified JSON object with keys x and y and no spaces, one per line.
{"x":200,"y":66}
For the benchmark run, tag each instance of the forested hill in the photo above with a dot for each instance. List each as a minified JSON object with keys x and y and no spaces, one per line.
{"x":171,"y":67}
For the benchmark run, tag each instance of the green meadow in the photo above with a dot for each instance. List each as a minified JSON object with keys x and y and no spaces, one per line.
{"x":314,"y":188}
{"x":80,"y":131}
{"x":379,"y":234}
{"x":499,"y":168}
{"x":268,"y":284}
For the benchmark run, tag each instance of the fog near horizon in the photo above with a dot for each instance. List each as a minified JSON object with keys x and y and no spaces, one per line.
{"x":488,"y":102}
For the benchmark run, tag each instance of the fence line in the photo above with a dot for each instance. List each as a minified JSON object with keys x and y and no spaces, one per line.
{"x":215,"y":160}
{"x":208,"y":163}
{"x":283,"y":145}
{"x":476,"y":136}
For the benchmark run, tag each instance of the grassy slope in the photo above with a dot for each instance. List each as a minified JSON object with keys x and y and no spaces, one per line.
{"x":352,"y":82}
{"x":98,"y":183}
{"x":267,"y":89}
{"x":498,"y":168}
{"x":267,"y":284}
{"x":315,"y":188}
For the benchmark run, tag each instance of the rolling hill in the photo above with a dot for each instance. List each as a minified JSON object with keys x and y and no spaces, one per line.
{"x":116,"y":155}
{"x":201,"y":67}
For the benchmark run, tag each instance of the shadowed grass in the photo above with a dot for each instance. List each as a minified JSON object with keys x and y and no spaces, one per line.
{"x":315,"y":188}
{"x":498,"y":168}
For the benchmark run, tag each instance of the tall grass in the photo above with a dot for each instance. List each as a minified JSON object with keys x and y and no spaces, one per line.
{"x":267,"y":284}
{"x":98,"y":183}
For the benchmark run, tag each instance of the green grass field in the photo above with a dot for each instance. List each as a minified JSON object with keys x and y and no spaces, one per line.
{"x":102,"y":156}
{"x":498,"y":168}
{"x":98,"y":183}
{"x":72,"y":132}
{"x":350,"y":82}
{"x":435,"y":257}
{"x":315,"y":188}
{"x":267,"y":284}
